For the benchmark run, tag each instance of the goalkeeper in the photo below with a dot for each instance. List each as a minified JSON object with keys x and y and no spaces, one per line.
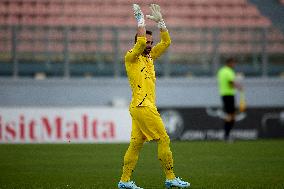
{"x":147,"y":124}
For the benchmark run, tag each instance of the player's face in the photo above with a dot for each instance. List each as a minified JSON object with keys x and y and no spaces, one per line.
{"x":149,"y":44}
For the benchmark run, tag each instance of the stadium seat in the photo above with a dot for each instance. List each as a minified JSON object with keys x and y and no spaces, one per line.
{"x":96,"y":12}
{"x":187,"y":14}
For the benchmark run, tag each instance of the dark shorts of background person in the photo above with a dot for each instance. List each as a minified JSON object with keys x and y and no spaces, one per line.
{"x":229,"y":104}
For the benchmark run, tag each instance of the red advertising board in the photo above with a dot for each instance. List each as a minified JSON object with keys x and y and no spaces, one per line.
{"x":64,"y":125}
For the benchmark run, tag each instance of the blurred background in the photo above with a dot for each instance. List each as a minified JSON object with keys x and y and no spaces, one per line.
{"x":69,"y":54}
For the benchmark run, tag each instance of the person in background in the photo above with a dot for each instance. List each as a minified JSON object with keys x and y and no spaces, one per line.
{"x":228,"y":85}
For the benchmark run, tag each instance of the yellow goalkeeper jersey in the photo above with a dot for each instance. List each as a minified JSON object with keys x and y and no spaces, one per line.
{"x":141,"y":72}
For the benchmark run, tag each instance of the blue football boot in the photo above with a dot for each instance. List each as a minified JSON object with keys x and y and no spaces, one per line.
{"x":128,"y":185}
{"x":176,"y":182}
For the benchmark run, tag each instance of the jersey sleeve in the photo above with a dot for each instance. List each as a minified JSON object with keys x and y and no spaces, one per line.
{"x":160,"y":48}
{"x":231,"y":76}
{"x":137,"y":50}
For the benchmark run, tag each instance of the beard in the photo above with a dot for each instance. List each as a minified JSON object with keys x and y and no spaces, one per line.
{"x":147,"y":50}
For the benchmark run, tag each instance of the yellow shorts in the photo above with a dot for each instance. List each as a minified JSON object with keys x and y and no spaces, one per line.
{"x":147,"y":123}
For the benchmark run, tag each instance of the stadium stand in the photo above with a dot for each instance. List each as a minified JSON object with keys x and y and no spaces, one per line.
{"x":94,"y":12}
{"x":236,"y":24}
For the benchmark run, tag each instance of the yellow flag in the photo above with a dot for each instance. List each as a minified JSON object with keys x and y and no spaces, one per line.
{"x":243,"y":105}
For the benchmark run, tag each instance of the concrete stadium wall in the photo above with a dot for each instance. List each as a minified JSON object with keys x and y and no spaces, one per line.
{"x":179,"y":92}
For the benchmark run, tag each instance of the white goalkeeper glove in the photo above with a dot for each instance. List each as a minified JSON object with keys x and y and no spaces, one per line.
{"x":139,"y":15}
{"x":157,"y":16}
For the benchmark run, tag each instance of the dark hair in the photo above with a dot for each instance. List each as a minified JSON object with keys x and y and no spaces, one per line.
{"x":147,"y":32}
{"x":230,"y":60}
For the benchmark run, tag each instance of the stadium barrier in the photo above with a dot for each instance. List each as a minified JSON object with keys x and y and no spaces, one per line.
{"x":113,"y":124}
{"x":64,"y":125}
{"x":69,"y":51}
{"x":207,"y":123}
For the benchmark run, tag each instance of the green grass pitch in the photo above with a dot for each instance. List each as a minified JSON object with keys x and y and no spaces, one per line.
{"x":211,"y":164}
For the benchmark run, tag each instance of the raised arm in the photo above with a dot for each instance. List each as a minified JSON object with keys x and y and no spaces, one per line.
{"x":165,"y":37}
{"x":140,"y":44}
{"x":162,"y":46}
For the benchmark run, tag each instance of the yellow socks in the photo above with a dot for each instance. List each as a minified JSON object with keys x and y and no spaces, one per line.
{"x":132,"y":153}
{"x":130,"y":159}
{"x":166,"y":158}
